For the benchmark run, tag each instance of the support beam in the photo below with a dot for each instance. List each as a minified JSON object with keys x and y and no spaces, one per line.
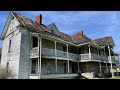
{"x":78,"y":61}
{"x":68,"y":59}
{"x":40,"y":46}
{"x":110,"y":61}
{"x":100,"y":67}
{"x":55,"y":57}
{"x":87,"y":66}
{"x":38,"y":57}
{"x":106,"y":67}
{"x":98,"y":54}
{"x":89,"y":52}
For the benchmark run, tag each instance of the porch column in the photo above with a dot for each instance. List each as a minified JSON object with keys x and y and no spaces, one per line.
{"x":55,"y":57}
{"x":89,"y":52}
{"x":68,"y":59}
{"x":110,"y":60}
{"x":87,"y":66}
{"x":106,"y":67}
{"x":115,"y":59}
{"x":78,"y":60}
{"x":100,"y":67}
{"x":39,"y":60}
{"x":99,"y":61}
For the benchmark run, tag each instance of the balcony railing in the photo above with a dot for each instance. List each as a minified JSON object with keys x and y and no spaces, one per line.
{"x":61,"y":54}
{"x":48,"y":52}
{"x":73,"y":56}
{"x":113,"y":59}
{"x":34,"y":52}
{"x":84,"y":56}
{"x":51,"y":53}
{"x":95,"y":56}
{"x":103,"y":58}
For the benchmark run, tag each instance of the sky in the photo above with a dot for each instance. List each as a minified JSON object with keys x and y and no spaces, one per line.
{"x":95,"y":24}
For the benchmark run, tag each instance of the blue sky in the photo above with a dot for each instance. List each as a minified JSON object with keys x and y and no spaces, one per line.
{"x":95,"y":24}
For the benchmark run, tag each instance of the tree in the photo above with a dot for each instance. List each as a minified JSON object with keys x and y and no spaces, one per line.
{"x":6,"y":73}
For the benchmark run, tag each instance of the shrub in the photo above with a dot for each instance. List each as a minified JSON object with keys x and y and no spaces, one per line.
{"x":6,"y":73}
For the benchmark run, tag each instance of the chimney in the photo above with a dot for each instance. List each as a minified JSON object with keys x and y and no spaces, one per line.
{"x":81,"y":32}
{"x":39,"y":19}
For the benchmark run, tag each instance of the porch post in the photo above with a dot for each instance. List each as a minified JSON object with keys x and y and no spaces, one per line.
{"x":55,"y":57}
{"x":110,"y":61}
{"x":89,"y":52}
{"x":87,"y":66}
{"x":68,"y":58}
{"x":100,"y":67}
{"x":38,"y":57}
{"x":106,"y":67}
{"x":99,"y":61}
{"x":115,"y":59}
{"x":78,"y":60}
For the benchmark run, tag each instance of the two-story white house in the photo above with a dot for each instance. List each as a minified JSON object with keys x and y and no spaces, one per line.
{"x":34,"y":50}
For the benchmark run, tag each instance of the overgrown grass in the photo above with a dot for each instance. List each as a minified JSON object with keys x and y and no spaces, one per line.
{"x":115,"y":77}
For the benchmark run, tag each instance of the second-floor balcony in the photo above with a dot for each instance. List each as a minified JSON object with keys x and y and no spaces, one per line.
{"x":50,"y":53}
{"x":91,"y":56}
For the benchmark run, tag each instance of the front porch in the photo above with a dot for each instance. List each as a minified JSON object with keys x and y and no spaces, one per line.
{"x":52,"y":69}
{"x":54,"y":76}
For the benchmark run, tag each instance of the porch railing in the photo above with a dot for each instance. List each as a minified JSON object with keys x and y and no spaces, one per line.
{"x":34,"y":52}
{"x":73,"y":56}
{"x":61,"y":54}
{"x":48,"y":52}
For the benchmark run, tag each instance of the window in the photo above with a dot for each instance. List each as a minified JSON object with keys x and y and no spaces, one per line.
{"x":72,"y":50}
{"x":9,"y":48}
{"x":33,"y":69}
{"x":65,"y":67}
{"x":52,"y":31}
{"x":63,"y":48}
{"x":7,"y":67}
{"x":35,"y":42}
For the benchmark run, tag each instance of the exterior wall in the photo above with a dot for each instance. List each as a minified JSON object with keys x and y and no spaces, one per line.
{"x":48,"y":44}
{"x":25,"y":62}
{"x":89,"y":66}
{"x":13,"y":56}
{"x":12,"y":25}
{"x":60,"y":66}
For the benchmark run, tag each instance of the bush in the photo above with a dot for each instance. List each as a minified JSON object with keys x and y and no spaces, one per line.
{"x":6,"y":73}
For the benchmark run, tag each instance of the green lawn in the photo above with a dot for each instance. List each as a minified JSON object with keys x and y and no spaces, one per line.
{"x":116,"y":77}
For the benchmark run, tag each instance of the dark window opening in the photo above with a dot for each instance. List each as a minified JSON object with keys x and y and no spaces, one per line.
{"x":9,"y":49}
{"x":7,"y":67}
{"x":33,"y":70}
{"x":72,"y":50}
{"x":35,"y":42}
{"x":52,"y":31}
{"x":64,"y":48}
{"x":65,"y":68}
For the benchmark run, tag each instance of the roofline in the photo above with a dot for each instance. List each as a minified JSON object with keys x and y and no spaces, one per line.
{"x":90,"y":43}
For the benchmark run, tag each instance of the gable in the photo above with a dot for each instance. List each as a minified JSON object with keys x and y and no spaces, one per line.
{"x":10,"y":23}
{"x":53,"y":30}
{"x":12,"y":26}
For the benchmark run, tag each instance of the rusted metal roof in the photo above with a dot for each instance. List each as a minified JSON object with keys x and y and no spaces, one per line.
{"x":76,"y":38}
{"x":104,"y":41}
{"x":26,"y":22}
{"x":79,"y":38}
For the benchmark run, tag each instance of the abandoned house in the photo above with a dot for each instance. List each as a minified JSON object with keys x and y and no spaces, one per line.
{"x":35,"y":51}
